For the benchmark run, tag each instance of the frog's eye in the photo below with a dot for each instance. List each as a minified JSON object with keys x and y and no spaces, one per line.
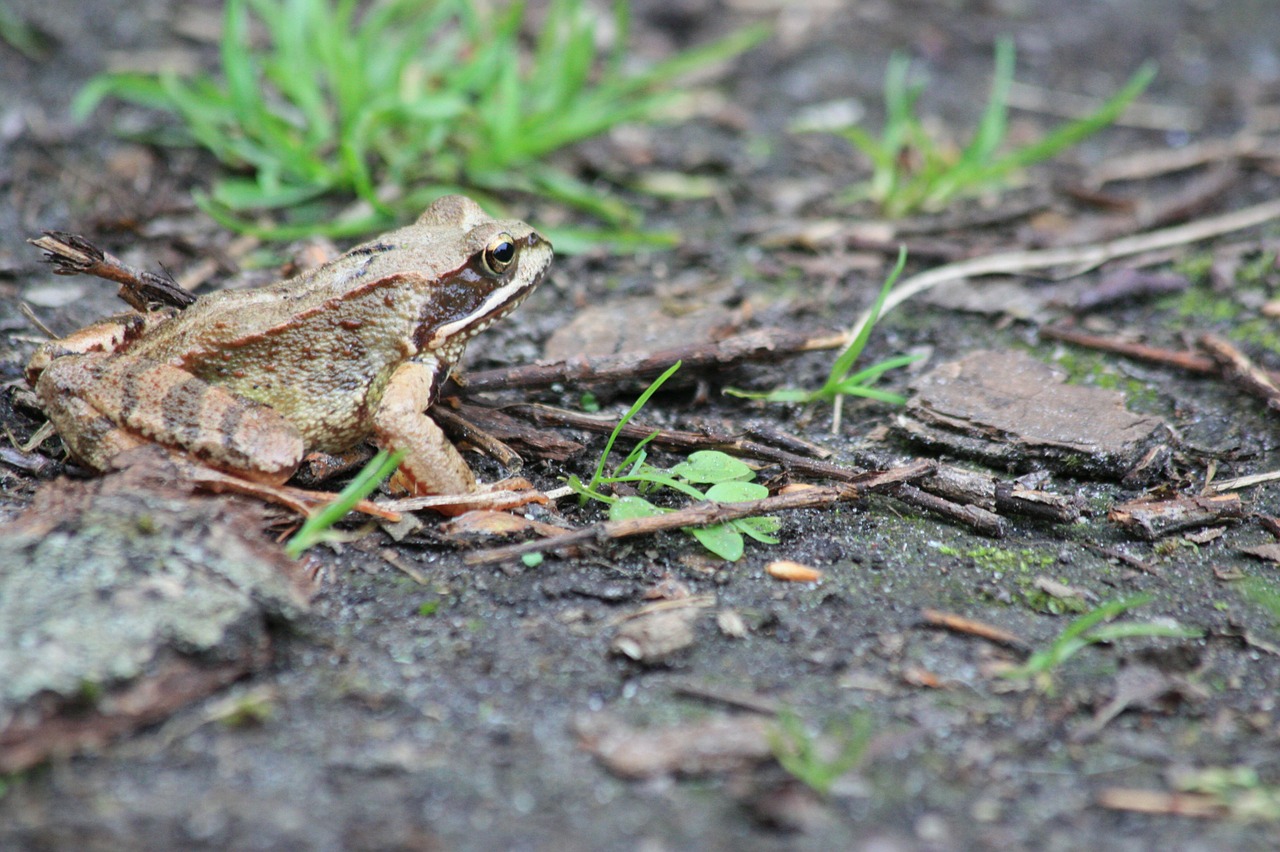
{"x":500,"y":254}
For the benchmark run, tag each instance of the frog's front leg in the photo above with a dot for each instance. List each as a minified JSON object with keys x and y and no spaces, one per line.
{"x":432,"y":465}
{"x":102,"y":405}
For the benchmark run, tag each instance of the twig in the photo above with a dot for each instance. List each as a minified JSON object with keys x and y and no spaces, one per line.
{"x":704,"y":514}
{"x":960,"y":624}
{"x":486,"y":442}
{"x":1241,"y":370}
{"x":700,"y":515}
{"x":732,"y":698}
{"x":983,"y":490}
{"x":1140,"y":801}
{"x":26,"y":311}
{"x":546,"y":415}
{"x":1246,"y":481}
{"x":70,"y":254}
{"x":1125,"y":558}
{"x":1143,"y":165}
{"x":751,"y":346}
{"x":976,"y":517}
{"x":1181,"y":359}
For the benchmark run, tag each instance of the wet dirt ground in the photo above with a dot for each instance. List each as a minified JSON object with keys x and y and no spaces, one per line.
{"x":422,"y":703}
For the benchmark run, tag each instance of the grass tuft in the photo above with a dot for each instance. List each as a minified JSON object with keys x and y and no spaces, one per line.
{"x":1090,"y":629}
{"x":839,"y":381}
{"x":913,"y":170}
{"x":398,"y":102}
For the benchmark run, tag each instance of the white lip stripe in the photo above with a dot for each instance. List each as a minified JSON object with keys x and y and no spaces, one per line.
{"x":497,"y":299}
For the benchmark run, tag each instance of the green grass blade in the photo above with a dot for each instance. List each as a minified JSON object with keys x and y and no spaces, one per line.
{"x":314,"y":530}
{"x":993,"y":125}
{"x":1061,"y":138}
{"x":778,"y":395}
{"x":850,"y":389}
{"x":631,"y":412}
{"x":843,"y":364}
{"x":870,"y":374}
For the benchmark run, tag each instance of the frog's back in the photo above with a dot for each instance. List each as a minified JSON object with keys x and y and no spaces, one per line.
{"x":321,"y":360}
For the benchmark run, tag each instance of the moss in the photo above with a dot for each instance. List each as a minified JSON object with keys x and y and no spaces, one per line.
{"x":1008,"y":561}
{"x":1196,"y":266}
{"x":1259,"y":272}
{"x":1021,"y":567}
{"x":1098,"y":369}
{"x":1203,"y":304}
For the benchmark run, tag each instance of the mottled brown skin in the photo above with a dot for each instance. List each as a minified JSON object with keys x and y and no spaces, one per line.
{"x":248,"y":381}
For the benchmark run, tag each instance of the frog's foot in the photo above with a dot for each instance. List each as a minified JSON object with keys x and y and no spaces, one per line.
{"x":499,"y":496}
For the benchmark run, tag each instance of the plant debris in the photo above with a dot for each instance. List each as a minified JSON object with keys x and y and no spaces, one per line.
{"x":1155,"y":518}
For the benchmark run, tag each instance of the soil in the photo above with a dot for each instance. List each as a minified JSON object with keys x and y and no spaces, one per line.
{"x":422,"y":703}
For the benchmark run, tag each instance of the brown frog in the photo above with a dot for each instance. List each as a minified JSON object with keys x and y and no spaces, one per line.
{"x":248,"y":381}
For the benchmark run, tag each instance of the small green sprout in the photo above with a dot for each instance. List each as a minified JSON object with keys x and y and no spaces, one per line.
{"x":531,"y":560}
{"x":798,"y":751}
{"x":913,"y":171}
{"x":317,"y":527}
{"x":839,"y":382}
{"x":728,"y":478}
{"x":397,"y":102}
{"x":1089,"y":629}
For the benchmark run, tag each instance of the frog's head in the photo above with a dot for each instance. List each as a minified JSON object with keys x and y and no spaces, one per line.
{"x":493,"y":265}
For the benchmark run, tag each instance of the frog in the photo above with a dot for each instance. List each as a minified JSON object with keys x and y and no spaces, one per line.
{"x":247,"y":382}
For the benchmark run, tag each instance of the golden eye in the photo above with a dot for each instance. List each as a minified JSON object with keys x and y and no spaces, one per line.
{"x":500,"y":254}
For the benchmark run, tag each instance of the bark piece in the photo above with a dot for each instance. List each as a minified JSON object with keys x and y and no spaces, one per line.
{"x":121,"y":600}
{"x":1153,"y":519}
{"x":1013,"y":411}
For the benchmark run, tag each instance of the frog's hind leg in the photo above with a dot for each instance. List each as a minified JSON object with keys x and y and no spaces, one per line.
{"x":102,"y":405}
{"x":105,"y":337}
{"x":90,"y":436}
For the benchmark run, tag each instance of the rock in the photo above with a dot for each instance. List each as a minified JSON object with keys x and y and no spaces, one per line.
{"x":121,"y":600}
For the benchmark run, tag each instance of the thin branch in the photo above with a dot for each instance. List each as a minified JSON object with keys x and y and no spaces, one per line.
{"x":1181,"y":359}
{"x":70,"y":254}
{"x":1082,"y":257}
{"x":960,"y":624}
{"x":1241,"y":370}
{"x":751,"y":346}
{"x":700,"y":515}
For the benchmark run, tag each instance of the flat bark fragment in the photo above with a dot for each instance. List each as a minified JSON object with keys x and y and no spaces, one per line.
{"x":1153,"y":519}
{"x":1009,"y":410}
{"x":123,"y":599}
